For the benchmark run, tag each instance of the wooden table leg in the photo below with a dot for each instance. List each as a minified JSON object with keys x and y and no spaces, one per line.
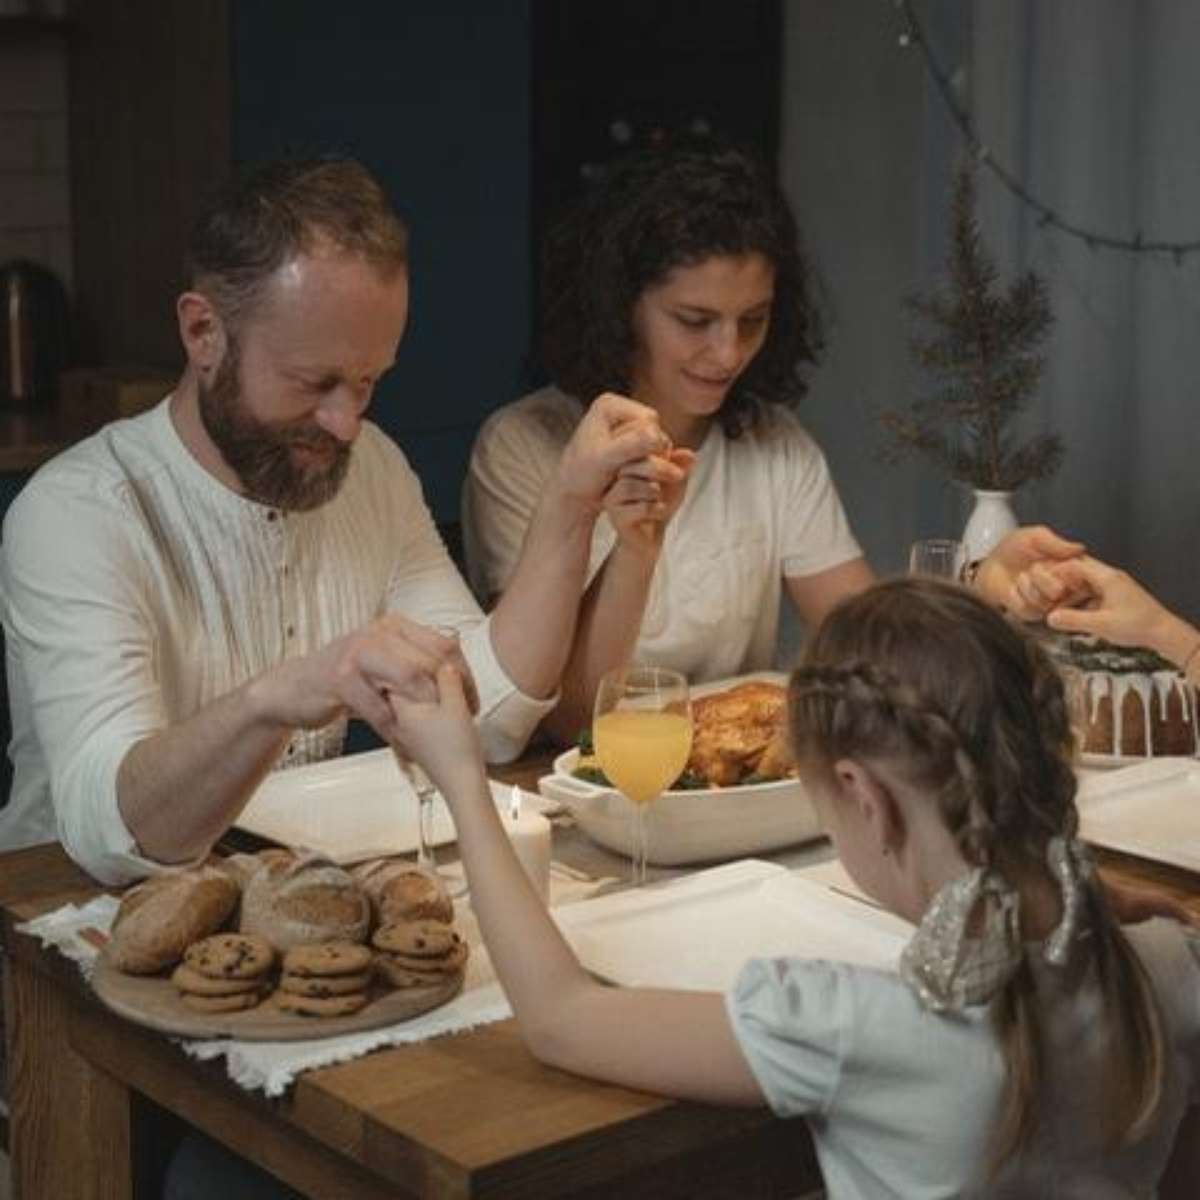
{"x":69,"y":1123}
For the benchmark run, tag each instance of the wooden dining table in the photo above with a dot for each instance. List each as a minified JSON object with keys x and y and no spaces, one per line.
{"x":466,"y":1115}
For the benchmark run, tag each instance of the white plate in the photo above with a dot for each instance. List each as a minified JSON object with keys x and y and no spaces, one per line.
{"x":696,"y":932}
{"x":1111,"y":762}
{"x":690,"y":826}
{"x":351,"y":808}
{"x":1151,"y":810}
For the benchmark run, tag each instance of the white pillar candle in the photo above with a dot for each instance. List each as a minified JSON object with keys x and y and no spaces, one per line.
{"x":529,"y":833}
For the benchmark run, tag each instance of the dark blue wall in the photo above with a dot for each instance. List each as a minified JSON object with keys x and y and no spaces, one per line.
{"x":433,"y":97}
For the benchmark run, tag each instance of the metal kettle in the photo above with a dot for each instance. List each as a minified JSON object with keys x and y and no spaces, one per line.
{"x":33,"y":333}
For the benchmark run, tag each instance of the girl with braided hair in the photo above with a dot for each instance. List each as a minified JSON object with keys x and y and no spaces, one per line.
{"x":1027,"y":1045}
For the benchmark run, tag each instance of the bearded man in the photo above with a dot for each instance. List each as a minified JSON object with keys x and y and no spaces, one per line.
{"x":211,"y":589}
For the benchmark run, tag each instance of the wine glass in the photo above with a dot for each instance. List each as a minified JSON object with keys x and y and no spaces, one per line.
{"x":426,"y":793}
{"x":642,"y":736}
{"x":940,"y":557}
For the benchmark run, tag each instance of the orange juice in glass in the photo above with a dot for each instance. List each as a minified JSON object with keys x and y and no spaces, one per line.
{"x":642,"y":735}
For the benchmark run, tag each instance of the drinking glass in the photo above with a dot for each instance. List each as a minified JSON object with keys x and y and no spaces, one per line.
{"x":642,"y":736}
{"x":939,"y":557}
{"x":426,"y":793}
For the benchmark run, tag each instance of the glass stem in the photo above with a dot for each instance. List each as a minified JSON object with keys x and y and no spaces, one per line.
{"x":639,"y":845}
{"x":425,"y":856}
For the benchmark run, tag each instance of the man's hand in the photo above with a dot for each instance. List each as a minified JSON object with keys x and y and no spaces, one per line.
{"x":1015,"y":575}
{"x":645,"y":496}
{"x":356,"y":674}
{"x":614,"y":433}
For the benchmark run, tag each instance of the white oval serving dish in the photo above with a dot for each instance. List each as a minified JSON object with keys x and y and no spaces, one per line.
{"x":704,"y":825}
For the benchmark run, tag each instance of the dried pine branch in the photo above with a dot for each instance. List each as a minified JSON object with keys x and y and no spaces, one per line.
{"x":981,"y":346}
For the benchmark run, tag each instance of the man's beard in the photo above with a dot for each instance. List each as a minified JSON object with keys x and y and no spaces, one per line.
{"x":261,"y":454}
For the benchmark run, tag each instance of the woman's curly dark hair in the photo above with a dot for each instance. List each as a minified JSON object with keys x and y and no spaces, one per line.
{"x":655,"y":210}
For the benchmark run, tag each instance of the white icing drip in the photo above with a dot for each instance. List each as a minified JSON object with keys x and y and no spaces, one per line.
{"x":1164,"y":685}
{"x":1161,"y":684}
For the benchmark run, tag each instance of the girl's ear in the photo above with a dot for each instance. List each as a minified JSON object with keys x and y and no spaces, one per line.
{"x":877,"y":807}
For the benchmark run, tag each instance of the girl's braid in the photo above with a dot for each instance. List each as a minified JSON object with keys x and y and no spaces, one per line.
{"x":856,"y":707}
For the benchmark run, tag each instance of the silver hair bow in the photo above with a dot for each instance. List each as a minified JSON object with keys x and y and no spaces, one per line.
{"x":1071,"y":864}
{"x":949,"y":970}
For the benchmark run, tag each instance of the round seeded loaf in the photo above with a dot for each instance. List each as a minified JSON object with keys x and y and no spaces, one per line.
{"x":307,"y":899}
{"x":403,"y":891}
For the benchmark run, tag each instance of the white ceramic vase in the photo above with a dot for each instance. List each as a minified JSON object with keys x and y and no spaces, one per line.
{"x":990,"y":519}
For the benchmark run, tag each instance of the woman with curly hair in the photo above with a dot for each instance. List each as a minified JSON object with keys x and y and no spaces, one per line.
{"x":679,"y":281}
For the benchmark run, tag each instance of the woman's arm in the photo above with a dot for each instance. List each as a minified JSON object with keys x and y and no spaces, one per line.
{"x":674,"y":1043}
{"x":1111,"y":604}
{"x":815,"y":595}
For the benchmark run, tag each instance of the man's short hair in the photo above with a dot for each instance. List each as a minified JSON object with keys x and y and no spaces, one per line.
{"x":272,"y":212}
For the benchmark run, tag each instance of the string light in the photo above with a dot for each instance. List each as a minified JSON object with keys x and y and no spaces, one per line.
{"x":914,"y":35}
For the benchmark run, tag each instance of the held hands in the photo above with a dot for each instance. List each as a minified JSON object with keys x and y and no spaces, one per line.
{"x":436,"y":730}
{"x":1019,"y":575}
{"x":1036,"y":574}
{"x":1111,"y":604}
{"x":646,"y":495}
{"x":357,"y":673}
{"x":615,"y":432}
{"x":1105,"y":602}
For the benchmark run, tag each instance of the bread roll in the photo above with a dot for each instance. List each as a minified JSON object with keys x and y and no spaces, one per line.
{"x":400,"y":890}
{"x":302,"y":900}
{"x":158,"y":919}
{"x":242,"y":866}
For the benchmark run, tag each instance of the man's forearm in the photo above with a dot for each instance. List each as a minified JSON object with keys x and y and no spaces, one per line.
{"x":533,"y":624}
{"x":180,"y":789}
{"x":610,"y":619}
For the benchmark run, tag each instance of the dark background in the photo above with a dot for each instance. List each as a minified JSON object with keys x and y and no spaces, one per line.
{"x":481,"y":119}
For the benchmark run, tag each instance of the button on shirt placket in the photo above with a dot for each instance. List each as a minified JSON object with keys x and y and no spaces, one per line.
{"x":281,"y":548}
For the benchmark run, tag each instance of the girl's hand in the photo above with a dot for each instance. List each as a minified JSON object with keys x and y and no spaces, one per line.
{"x":355,"y":673}
{"x":440,"y":733}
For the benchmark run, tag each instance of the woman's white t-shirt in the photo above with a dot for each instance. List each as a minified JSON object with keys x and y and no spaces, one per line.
{"x":757,"y":509}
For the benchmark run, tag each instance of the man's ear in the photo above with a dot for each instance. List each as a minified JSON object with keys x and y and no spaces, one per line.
{"x":876,"y":804}
{"x":201,"y":330}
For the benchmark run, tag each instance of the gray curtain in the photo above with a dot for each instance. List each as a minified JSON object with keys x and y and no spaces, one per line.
{"x":1093,"y":105}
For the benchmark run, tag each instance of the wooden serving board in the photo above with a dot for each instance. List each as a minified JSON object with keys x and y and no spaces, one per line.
{"x":153,"y":1001}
